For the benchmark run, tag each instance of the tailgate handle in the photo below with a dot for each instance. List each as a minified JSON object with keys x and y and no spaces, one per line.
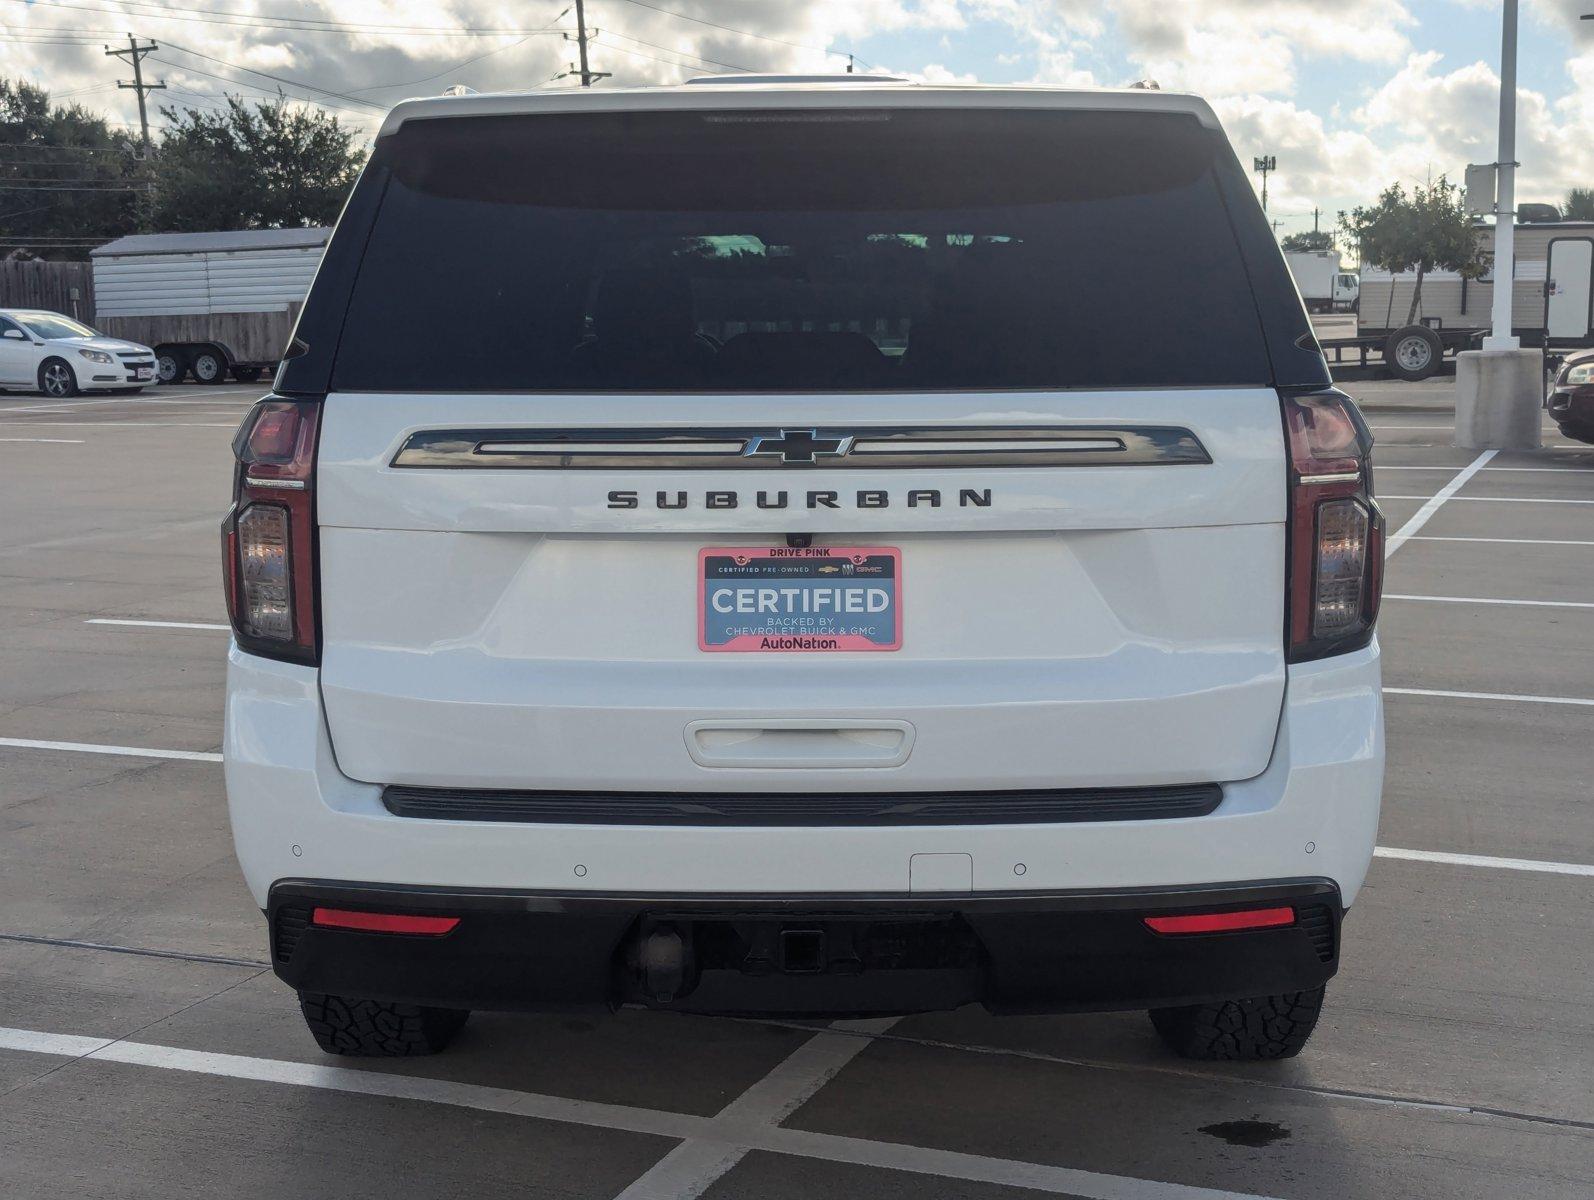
{"x":798,"y":742}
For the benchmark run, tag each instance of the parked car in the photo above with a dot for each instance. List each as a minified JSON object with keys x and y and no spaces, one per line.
{"x":46,"y":352}
{"x":822,"y":579}
{"x":1571,"y":399}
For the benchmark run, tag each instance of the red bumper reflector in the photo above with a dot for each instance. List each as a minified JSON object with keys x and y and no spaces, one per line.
{"x":371,"y":922}
{"x":1251,"y":918}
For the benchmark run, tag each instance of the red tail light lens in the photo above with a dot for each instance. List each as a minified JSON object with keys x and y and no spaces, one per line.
{"x":1251,"y":918}
{"x":268,"y":537}
{"x":1336,"y":530}
{"x":376,"y":922}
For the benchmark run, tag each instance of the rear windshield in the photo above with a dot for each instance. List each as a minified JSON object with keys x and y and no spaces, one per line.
{"x":802,"y":251}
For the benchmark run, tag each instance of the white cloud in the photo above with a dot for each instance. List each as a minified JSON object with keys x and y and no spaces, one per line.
{"x":1250,"y":57}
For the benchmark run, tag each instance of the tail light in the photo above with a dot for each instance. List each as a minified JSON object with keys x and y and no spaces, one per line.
{"x":1336,"y":530}
{"x":268,"y":537}
{"x":1251,"y":918}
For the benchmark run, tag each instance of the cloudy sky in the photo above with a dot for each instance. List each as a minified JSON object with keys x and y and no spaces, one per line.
{"x":1348,"y":94}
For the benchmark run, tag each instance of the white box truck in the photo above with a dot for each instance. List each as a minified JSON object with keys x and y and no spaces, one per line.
{"x":210,"y":304}
{"x":1324,"y":284}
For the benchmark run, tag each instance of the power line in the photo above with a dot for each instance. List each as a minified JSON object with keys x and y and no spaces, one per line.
{"x":669,"y":62}
{"x":255,"y":87}
{"x":149,"y":9}
{"x":10,"y":147}
{"x":713,"y":62}
{"x":465,"y":62}
{"x":282,"y":79}
{"x":763,"y":37}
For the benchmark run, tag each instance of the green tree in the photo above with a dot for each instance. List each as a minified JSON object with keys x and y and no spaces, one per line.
{"x":1579,"y":205}
{"x":1426,"y":231}
{"x":266,"y":165}
{"x":1302,"y":242}
{"x":67,"y":179}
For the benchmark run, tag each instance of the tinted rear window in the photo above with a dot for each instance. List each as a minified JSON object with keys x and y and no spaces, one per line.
{"x":805,"y":251}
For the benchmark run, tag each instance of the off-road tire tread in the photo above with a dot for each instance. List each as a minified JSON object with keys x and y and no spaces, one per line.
{"x":1264,"y":1027}
{"x":376,"y":1029}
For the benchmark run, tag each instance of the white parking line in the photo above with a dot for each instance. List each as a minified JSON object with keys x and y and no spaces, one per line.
{"x":731,"y":1134}
{"x":154,"y":624}
{"x":1539,"y":866}
{"x":1497,"y":499}
{"x":1491,"y":600}
{"x":115,"y":751}
{"x":692,"y":1167}
{"x":1507,"y":541}
{"x":1510,"y":697}
{"x":130,"y":423}
{"x":1531,"y":470}
{"x":53,"y":441}
{"x":70,"y":405}
{"x":1435,"y":502}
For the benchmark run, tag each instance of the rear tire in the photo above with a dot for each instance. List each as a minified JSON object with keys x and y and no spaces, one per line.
{"x":209,"y":365}
{"x":1413,"y":352}
{"x":170,"y":366}
{"x":57,"y":379}
{"x":1264,"y":1027}
{"x":358,"y":1028}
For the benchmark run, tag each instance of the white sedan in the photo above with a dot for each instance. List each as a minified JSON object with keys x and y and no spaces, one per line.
{"x":46,"y":352}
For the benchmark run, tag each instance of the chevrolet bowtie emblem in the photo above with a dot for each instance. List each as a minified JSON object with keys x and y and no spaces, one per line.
{"x":796,"y":446}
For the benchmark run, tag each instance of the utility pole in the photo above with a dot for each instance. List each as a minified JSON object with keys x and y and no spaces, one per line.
{"x":135,"y":55}
{"x":849,"y":64}
{"x":587,"y":75}
{"x":1265,"y":164}
{"x":1505,"y":191}
{"x":1314,"y":218}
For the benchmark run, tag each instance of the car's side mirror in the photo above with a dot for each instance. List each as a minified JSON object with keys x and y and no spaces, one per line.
{"x":18,"y":334}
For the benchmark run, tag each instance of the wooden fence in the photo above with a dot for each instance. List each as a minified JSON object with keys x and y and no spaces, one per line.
{"x":63,"y":287}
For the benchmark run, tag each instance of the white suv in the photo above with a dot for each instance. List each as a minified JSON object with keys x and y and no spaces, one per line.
{"x":805,"y":548}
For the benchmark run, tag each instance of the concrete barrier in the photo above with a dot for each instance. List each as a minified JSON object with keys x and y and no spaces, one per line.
{"x":1499,"y":399}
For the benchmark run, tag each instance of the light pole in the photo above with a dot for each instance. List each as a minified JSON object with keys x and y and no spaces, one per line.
{"x":1500,"y":388}
{"x":1505,"y":188}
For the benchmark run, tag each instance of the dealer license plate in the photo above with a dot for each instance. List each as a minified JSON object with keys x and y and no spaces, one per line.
{"x":799,"y":600}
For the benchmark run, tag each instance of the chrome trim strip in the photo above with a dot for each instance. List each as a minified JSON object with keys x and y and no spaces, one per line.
{"x":610,"y":448}
{"x":866,"y":445}
{"x":879,"y":447}
{"x":295,"y":485}
{"x":1339,"y":477}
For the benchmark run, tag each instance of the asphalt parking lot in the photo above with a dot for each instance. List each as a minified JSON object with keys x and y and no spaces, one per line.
{"x":147,"y":1051}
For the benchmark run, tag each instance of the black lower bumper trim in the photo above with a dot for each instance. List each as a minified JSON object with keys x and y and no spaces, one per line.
{"x":806,"y":955}
{"x":1049,"y":806}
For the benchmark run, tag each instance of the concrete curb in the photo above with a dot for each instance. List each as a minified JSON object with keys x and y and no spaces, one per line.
{"x":1391,"y":406}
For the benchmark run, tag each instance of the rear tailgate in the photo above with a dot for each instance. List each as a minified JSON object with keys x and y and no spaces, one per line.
{"x":1101,"y":625}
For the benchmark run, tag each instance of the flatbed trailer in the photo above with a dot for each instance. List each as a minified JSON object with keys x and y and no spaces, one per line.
{"x":1411,"y":352}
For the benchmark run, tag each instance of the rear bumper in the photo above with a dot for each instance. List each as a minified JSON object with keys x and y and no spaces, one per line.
{"x":1312,"y":813}
{"x":852,"y":955}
